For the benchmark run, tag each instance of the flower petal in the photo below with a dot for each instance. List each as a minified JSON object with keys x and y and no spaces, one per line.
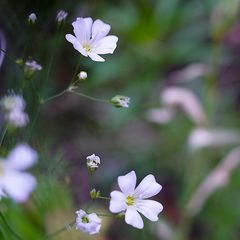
{"x":149,"y":208}
{"x":21,"y":157}
{"x":99,"y":29}
{"x":148,"y":187}
{"x":76,"y":44}
{"x":133,"y":218}
{"x":82,"y":29}
{"x":19,"y":185}
{"x":95,"y":57}
{"x":105,"y":45}
{"x":127,"y":183}
{"x":117,"y":202}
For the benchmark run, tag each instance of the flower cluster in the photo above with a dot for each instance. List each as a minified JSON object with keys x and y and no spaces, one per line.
{"x":13,"y":107}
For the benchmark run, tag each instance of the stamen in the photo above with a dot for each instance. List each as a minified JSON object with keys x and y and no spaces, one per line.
{"x":130,"y":200}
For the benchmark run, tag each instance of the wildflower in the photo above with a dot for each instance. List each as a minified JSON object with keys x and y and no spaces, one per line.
{"x":32,"y":18}
{"x":31,"y":66}
{"x":93,"y":162}
{"x":91,"y":38}
{"x":133,"y":201}
{"x":16,"y":183}
{"x":88,"y":223}
{"x":82,"y":75}
{"x":61,"y":16}
{"x":120,"y":101}
{"x":13,"y":106}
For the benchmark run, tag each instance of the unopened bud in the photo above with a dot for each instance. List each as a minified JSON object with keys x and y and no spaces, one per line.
{"x":94,"y":193}
{"x":82,"y":75}
{"x":32,"y":18}
{"x":120,"y":101}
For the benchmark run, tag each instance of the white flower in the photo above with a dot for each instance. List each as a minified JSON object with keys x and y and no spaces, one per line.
{"x":13,"y":102}
{"x":120,"y":101}
{"x":82,"y":75}
{"x":14,"y":182}
{"x":13,"y":106}
{"x":32,"y":65}
{"x":61,"y":16}
{"x":17,"y":118}
{"x":91,"y":38}
{"x":93,"y":162}
{"x":32,"y":18}
{"x":133,"y":201}
{"x":88,"y":223}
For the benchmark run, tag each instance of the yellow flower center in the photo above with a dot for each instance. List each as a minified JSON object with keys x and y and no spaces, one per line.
{"x":87,"y":47}
{"x":85,"y":220}
{"x":130,"y":200}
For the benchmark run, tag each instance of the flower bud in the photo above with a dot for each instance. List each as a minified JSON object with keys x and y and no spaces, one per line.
{"x":82,"y":75}
{"x":94,"y":193}
{"x":61,"y":16}
{"x":93,"y":163}
{"x":30,"y":67}
{"x":120,"y":101}
{"x":32,"y":18}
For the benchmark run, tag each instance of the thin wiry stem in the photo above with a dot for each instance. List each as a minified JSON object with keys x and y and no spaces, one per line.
{"x":42,"y":101}
{"x":105,"y":198}
{"x":9,"y":227}
{"x":59,"y":231}
{"x":90,"y":97}
{"x":3,"y":135}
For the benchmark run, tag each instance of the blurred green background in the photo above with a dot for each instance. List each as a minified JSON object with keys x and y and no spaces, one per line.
{"x":157,"y":39}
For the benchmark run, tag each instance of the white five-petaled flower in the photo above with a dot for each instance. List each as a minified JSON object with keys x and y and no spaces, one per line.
{"x":91,"y":38}
{"x":61,"y":16}
{"x":93,"y":162}
{"x":88,"y":223}
{"x":133,"y":200}
{"x":13,"y":106}
{"x":14,"y":182}
{"x":32,"y":18}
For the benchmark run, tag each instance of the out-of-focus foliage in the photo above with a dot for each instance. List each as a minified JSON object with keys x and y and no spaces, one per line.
{"x":157,"y":40}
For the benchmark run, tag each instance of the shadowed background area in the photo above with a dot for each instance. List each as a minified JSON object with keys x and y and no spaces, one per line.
{"x":178,"y":61}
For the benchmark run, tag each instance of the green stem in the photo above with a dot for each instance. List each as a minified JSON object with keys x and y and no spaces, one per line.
{"x":3,"y":135}
{"x":10,"y":228}
{"x":75,"y":71}
{"x":51,"y":235}
{"x":105,"y":198}
{"x":89,"y":97}
{"x":42,"y":101}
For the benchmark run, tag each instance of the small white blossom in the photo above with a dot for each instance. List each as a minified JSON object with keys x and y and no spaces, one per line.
{"x":14,"y":181}
{"x":93,"y":162}
{"x":91,"y":38}
{"x":120,"y":101}
{"x":61,"y":16}
{"x":32,"y":18}
{"x":32,"y":65}
{"x":82,"y":75}
{"x":17,"y":118}
{"x":13,"y":107}
{"x":133,"y":200}
{"x":88,"y":223}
